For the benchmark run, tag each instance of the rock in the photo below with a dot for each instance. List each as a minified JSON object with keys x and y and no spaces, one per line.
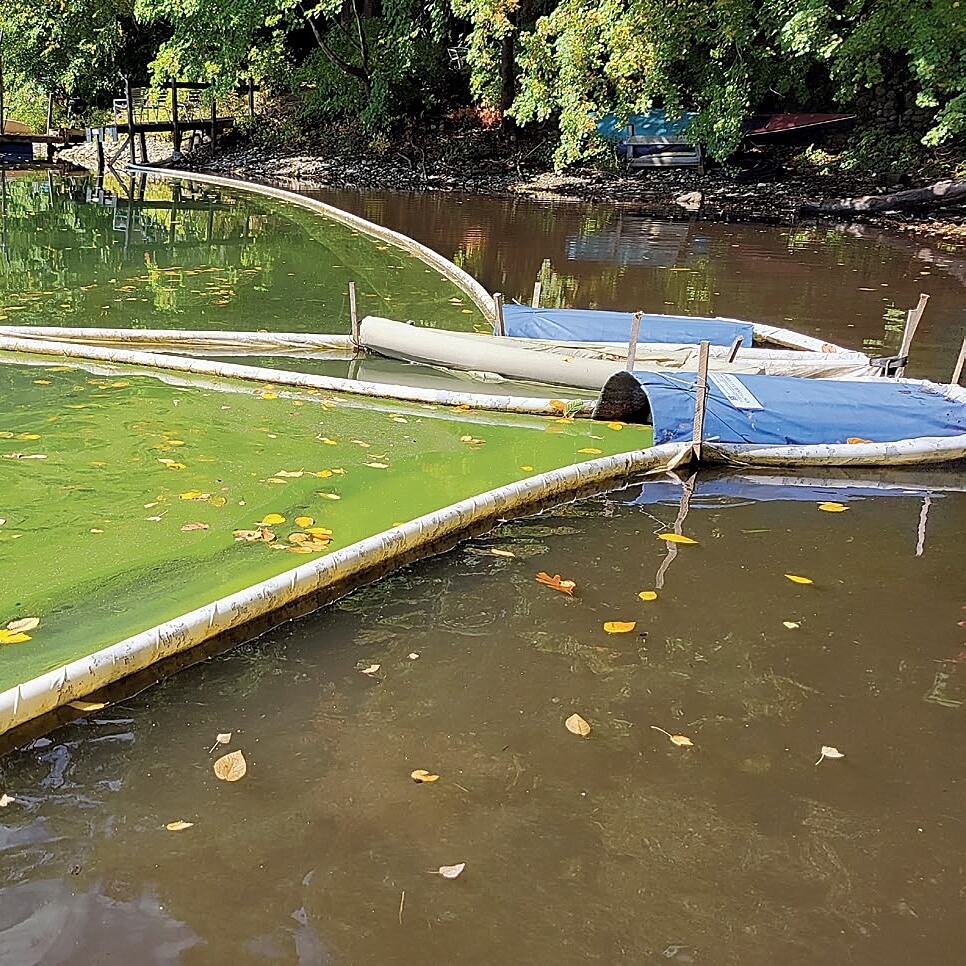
{"x":690,"y":200}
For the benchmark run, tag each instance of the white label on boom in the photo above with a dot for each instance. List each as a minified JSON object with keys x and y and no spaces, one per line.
{"x":735,"y":391}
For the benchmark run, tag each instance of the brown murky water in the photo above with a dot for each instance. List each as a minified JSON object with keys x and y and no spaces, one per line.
{"x":618,"y":847}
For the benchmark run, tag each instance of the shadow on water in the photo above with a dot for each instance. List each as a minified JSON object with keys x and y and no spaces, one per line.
{"x":616,"y":847}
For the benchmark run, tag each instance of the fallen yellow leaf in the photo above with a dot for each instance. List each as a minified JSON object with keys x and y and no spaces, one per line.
{"x":555,"y":583}
{"x":422,"y":776}
{"x":577,"y":726}
{"x":854,"y":440}
{"x":13,"y":637}
{"x":87,"y":705}
{"x":231,"y":767}
{"x":271,"y":518}
{"x":615,"y":426}
{"x":590,"y":449}
{"x":648,"y":595}
{"x":799,"y":580}
{"x":619,"y":627}
{"x":682,"y":741}
{"x":304,"y":521}
{"x":675,"y":538}
{"x":833,"y":507}
{"x":178,"y":826}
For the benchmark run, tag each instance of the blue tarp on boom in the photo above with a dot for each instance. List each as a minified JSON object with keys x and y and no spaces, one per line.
{"x":592,"y":325}
{"x":782,"y":411}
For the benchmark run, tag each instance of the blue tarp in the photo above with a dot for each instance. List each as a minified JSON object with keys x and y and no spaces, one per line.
{"x":785,"y":411}
{"x":591,"y":325}
{"x":653,"y":124}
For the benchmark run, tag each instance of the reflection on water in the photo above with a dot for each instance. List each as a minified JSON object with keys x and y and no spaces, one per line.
{"x":617,"y":847}
{"x":850,"y":286}
{"x":146,"y":253}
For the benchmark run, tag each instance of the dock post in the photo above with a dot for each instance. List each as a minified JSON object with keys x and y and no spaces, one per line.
{"x":214,"y":119}
{"x":960,"y":362}
{"x":733,"y":351}
{"x":537,"y":288}
{"x":130,"y":119}
{"x":913,"y":318}
{"x":99,"y":146}
{"x":700,"y":395}
{"x":632,"y":341}
{"x":143,"y":141}
{"x":251,"y":98}
{"x":50,"y":113}
{"x":498,"y":312}
{"x":353,"y":313}
{"x":175,"y":126}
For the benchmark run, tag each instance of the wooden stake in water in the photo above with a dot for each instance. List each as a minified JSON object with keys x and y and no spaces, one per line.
{"x":913,"y":318}
{"x":498,"y":312}
{"x":353,"y":313}
{"x":960,"y":362}
{"x":537,"y":288}
{"x":701,"y":392}
{"x":632,"y":341}
{"x":130,"y":119}
{"x":733,"y":351}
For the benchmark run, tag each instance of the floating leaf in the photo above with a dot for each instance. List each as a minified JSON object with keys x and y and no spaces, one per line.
{"x":829,"y":752}
{"x":648,"y":595}
{"x":378,"y":466}
{"x":577,"y":726}
{"x":292,"y":474}
{"x":195,"y":495}
{"x":222,"y":738}
{"x":795,"y":579}
{"x":178,"y":826}
{"x":615,"y":426}
{"x":320,"y":533}
{"x":13,"y":637}
{"x":451,"y":871}
{"x":833,"y":507}
{"x":270,"y":519}
{"x":6,"y":800}
{"x":590,"y":449}
{"x":87,"y":705}
{"x":791,"y":625}
{"x":329,"y":496}
{"x":558,"y":405}
{"x":682,"y":741}
{"x":231,"y":767}
{"x":304,"y":521}
{"x":422,"y":776}
{"x":619,"y":627}
{"x":675,"y":538}
{"x":23,"y":624}
{"x":371,"y":669}
{"x":854,"y":440}
{"x":188,"y":527}
{"x":555,"y":583}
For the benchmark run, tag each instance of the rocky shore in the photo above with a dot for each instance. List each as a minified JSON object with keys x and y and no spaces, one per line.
{"x":766,"y":190}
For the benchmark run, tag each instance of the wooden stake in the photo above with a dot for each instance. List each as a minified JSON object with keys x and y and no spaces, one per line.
{"x":701,"y":393}
{"x":537,"y":287}
{"x":733,"y":351}
{"x":498,"y":312}
{"x":143,"y":141}
{"x":175,"y":127}
{"x":214,"y":120}
{"x":632,"y":341}
{"x":50,"y":112}
{"x":99,"y":146}
{"x":353,"y":313}
{"x":912,"y":323}
{"x":960,"y":362}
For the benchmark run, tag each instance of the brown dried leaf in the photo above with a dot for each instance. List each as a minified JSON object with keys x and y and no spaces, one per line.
{"x":178,"y":826}
{"x":421,"y":776}
{"x":231,"y":767}
{"x":576,"y":725}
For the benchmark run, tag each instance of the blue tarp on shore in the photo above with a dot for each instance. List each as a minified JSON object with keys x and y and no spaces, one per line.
{"x":783,"y":411}
{"x":593,"y":325}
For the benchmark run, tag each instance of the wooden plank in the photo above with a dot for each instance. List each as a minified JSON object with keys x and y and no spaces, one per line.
{"x":700,"y":395}
{"x":537,"y":288}
{"x":175,"y":120}
{"x":960,"y":362}
{"x":632,"y":341}
{"x":498,"y":311}
{"x":353,"y":313}
{"x":733,"y":351}
{"x":913,"y":317}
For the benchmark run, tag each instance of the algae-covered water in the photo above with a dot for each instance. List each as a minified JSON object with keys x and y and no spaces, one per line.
{"x":120,"y":493}
{"x":157,"y":254}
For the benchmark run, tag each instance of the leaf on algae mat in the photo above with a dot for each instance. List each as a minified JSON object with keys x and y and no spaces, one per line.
{"x":188,"y":527}
{"x":675,"y":538}
{"x":13,"y":637}
{"x":178,"y":826}
{"x":87,"y":705}
{"x":577,"y":726}
{"x":619,"y":627}
{"x":378,"y":466}
{"x":833,"y":507}
{"x":231,"y":767}
{"x":23,"y":624}
{"x":6,"y":800}
{"x":270,"y":519}
{"x":304,"y":521}
{"x":795,"y":579}
{"x":421,"y":776}
{"x":591,"y":450}
{"x":556,"y":583}
{"x":648,"y":595}
{"x":195,"y":495}
{"x":291,"y":474}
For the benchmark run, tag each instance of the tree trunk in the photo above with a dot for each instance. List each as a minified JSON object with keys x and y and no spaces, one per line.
{"x":935,"y":196}
{"x":508,"y":83}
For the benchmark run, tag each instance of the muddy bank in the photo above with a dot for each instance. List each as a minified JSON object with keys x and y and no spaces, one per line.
{"x":763,"y":189}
